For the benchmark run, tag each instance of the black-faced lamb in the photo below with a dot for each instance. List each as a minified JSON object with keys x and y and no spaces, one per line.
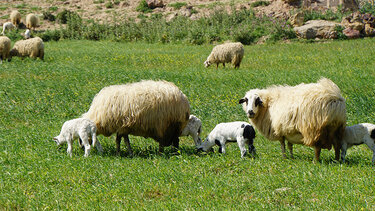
{"x":15,"y":17}
{"x":310,"y":114}
{"x":32,"y":48}
{"x":363,"y":133}
{"x":5,"y":45}
{"x":226,"y":53}
{"x":81,"y":128}
{"x":193,"y":129}
{"x":156,"y":109}
{"x":241,"y":132}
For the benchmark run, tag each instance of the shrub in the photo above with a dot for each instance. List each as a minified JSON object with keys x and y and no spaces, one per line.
{"x":143,"y":7}
{"x":367,"y":8}
{"x":177,"y":5}
{"x":48,"y":16}
{"x":63,"y":16}
{"x":260,"y":3}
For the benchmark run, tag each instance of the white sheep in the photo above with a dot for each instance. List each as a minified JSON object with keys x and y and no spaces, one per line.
{"x":15,"y":17}
{"x":156,"y":109}
{"x":81,"y":128}
{"x":7,"y":26}
{"x":31,"y":21}
{"x":193,"y":128}
{"x":27,"y":34}
{"x":5,"y":45}
{"x":363,"y":133}
{"x":33,"y":48}
{"x":242,"y":132}
{"x":310,"y":114}
{"x":226,"y":53}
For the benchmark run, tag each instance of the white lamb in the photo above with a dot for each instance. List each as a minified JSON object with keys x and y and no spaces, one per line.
{"x":7,"y":26}
{"x":193,"y":128}
{"x":242,"y":132}
{"x":81,"y":128}
{"x":363,"y":133}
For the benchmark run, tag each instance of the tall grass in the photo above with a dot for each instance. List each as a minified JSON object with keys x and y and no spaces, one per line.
{"x":37,"y":97}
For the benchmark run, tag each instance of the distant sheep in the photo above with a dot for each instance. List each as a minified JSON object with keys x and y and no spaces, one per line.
{"x":81,"y":128}
{"x":15,"y":17}
{"x":156,"y":109}
{"x":226,"y":53}
{"x":310,"y":114}
{"x":193,"y":128}
{"x":7,"y":26}
{"x":242,"y":132}
{"x":31,"y":21}
{"x":363,"y":133}
{"x":32,"y":48}
{"x":5,"y":45}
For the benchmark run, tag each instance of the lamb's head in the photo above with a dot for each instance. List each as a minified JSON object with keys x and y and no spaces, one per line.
{"x":58,"y":140}
{"x":207,"y":63}
{"x":205,"y":146}
{"x":251,"y":103}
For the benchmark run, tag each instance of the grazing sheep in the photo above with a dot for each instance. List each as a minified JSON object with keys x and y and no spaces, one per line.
{"x":193,"y":128}
{"x":363,"y":133}
{"x":226,"y":53}
{"x":15,"y":17}
{"x":310,"y":114}
{"x":31,"y":21}
{"x":81,"y":128}
{"x":156,"y":109}
{"x":242,"y":132}
{"x":5,"y":44}
{"x":7,"y":26}
{"x":27,"y":34}
{"x":33,"y":48}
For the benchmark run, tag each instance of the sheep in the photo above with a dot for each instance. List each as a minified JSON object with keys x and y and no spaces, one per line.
{"x":15,"y":17}
{"x":242,"y":132}
{"x":81,"y":128}
{"x":33,"y":48}
{"x":5,"y":44}
{"x":7,"y":26}
{"x":193,"y":128}
{"x":27,"y":34}
{"x":31,"y":21}
{"x":225,"y":53}
{"x":311,"y":114}
{"x":156,"y":109}
{"x":363,"y":133}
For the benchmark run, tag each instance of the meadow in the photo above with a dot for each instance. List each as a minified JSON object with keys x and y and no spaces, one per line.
{"x":37,"y":97}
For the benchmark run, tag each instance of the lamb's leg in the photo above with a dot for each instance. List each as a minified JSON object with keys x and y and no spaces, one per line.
{"x":69,"y":150}
{"x":290,"y":147}
{"x":282,"y":143}
{"x":370,"y":143}
{"x":242,"y":145}
{"x":129,"y":148}
{"x":96,"y":143}
{"x":344,"y":147}
{"x":317,"y":153}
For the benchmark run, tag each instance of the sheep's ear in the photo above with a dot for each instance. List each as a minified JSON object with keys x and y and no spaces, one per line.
{"x":243,"y":100}
{"x":258,"y":102}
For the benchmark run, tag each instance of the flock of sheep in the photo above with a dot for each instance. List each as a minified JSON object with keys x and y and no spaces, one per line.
{"x":30,"y":47}
{"x":310,"y":114}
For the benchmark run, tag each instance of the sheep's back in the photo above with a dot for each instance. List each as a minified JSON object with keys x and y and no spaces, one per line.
{"x":5,"y":45}
{"x":226,"y":52}
{"x":29,"y":46}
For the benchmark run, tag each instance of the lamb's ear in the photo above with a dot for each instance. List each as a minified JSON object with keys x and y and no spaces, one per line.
{"x":243,"y":100}
{"x":258,"y":102}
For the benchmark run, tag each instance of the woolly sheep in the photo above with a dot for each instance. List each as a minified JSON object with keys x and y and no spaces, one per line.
{"x":242,"y":132}
{"x":31,"y":21}
{"x":5,"y":44}
{"x":81,"y":128}
{"x":226,"y":53}
{"x":15,"y":17}
{"x":363,"y":133}
{"x":7,"y":26}
{"x":156,"y":109}
{"x":193,"y":128}
{"x":33,"y":48}
{"x":310,"y":114}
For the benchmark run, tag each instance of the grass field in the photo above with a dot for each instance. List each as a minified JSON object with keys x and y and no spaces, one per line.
{"x":37,"y":97}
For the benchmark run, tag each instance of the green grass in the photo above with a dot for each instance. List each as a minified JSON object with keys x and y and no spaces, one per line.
{"x":37,"y":97}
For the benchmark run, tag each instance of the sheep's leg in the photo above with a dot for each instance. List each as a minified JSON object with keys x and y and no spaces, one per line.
{"x":223,"y":64}
{"x":118,"y":143}
{"x":317,"y":153}
{"x":242,"y":145}
{"x":344,"y":147}
{"x":129,"y":148}
{"x":290,"y":147}
{"x":370,"y":143}
{"x":337,"y":150}
{"x":217,"y":65}
{"x":282,"y":143}
{"x":69,"y":150}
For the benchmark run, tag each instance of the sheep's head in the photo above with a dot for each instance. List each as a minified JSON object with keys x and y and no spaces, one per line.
{"x":13,"y":52}
{"x":57,"y":140}
{"x":207,"y":63}
{"x":251,"y":104}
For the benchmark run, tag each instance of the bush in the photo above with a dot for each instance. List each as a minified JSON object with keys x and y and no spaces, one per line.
{"x":48,"y":16}
{"x":367,"y":8}
{"x":143,"y":7}
{"x":177,"y":5}
{"x":260,"y":3}
{"x":63,"y":16}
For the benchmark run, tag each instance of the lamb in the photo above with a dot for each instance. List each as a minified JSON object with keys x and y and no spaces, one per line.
{"x":156,"y":109}
{"x":242,"y":132}
{"x":5,"y":44}
{"x":310,"y":114}
{"x":81,"y":128}
{"x":15,"y":17}
{"x":33,"y":48}
{"x":225,"y":53}
{"x":7,"y":26}
{"x":27,"y":34}
{"x":363,"y":133}
{"x":193,"y":128}
{"x":31,"y":21}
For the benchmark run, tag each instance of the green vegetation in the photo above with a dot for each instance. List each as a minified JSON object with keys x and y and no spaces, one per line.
{"x":260,"y":3}
{"x":328,"y":15}
{"x":368,"y":8}
{"x":38,"y":97}
{"x":177,"y":5}
{"x":143,"y":7}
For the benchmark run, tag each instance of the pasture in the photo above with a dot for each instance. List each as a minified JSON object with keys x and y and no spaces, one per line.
{"x":37,"y":97}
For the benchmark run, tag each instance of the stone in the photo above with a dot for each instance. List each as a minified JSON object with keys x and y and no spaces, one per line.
{"x":321,"y":29}
{"x":369,"y":30}
{"x":351,"y":33}
{"x":152,"y":4}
